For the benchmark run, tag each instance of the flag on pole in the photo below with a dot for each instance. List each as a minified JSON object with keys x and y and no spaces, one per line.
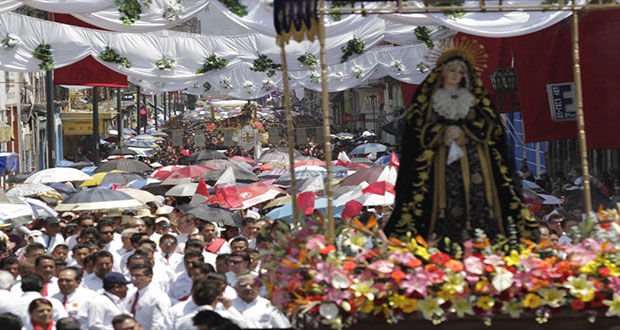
{"x":356,"y":202}
{"x":201,"y":194}
{"x":394,"y":161}
{"x":307,"y":195}
{"x":343,"y":159}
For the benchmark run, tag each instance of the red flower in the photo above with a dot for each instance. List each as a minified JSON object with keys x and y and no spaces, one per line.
{"x":598,"y":300}
{"x":489,"y":268}
{"x":604,"y":271}
{"x":454,"y":265}
{"x":348,"y":265}
{"x":578,"y":304}
{"x":414,"y":262}
{"x":398,"y":275}
{"x":329,"y":248}
{"x":440,"y":258}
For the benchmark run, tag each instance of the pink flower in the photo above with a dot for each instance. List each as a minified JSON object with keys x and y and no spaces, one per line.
{"x":494,"y":260}
{"x":401,"y":257}
{"x":316,"y":242}
{"x":415,"y":282}
{"x":583,"y":257}
{"x":382,"y":266}
{"x":474,"y":265}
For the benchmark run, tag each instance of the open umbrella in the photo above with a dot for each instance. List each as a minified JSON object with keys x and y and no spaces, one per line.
{"x":214,"y":212}
{"x":185,"y":174}
{"x":62,"y":188}
{"x":273,"y":174}
{"x":241,"y":175}
{"x":34,"y":189}
{"x":163,"y":172}
{"x":140,"y":144}
{"x":283,"y":150}
{"x":19,"y":177}
{"x":97,"y":179}
{"x":248,"y":160}
{"x":218,"y":164}
{"x":82,"y":164}
{"x":242,"y":164}
{"x":119,"y":178}
{"x":58,"y":174}
{"x":183,"y":190}
{"x":278,"y":202}
{"x":141,"y":195}
{"x":99,"y":199}
{"x":129,"y":131}
{"x":139,"y":183}
{"x":206,"y":155}
{"x":365,"y":161}
{"x":124,"y":151}
{"x":64,"y":163}
{"x":369,"y":175}
{"x":253,"y":194}
{"x":127,"y":165}
{"x":273,"y":157}
{"x":40,"y":210}
{"x":285,"y":180}
{"x":286,"y":211}
{"x":159,"y":134}
{"x":368,"y":148}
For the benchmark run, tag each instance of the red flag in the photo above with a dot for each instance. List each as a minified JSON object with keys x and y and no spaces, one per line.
{"x":343,"y":159}
{"x":202,"y":193}
{"x":305,"y":202}
{"x":226,"y":189}
{"x":353,"y":207}
{"x":394,"y":160}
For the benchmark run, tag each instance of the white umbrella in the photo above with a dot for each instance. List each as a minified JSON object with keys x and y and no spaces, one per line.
{"x":183,"y":190}
{"x":58,"y":174}
{"x":141,"y":195}
{"x":40,"y":209}
{"x":99,"y":199}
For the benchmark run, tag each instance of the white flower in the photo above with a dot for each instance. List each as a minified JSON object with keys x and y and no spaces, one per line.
{"x":10,"y":41}
{"x":248,"y":87}
{"x":397,"y":66}
{"x":173,"y":9}
{"x":315,"y":77}
{"x":340,"y":281}
{"x":358,"y":72}
{"x":268,"y":85}
{"x":502,"y":279}
{"x":329,"y":310}
{"x":166,"y":64}
{"x":225,"y":82}
{"x":339,"y":75}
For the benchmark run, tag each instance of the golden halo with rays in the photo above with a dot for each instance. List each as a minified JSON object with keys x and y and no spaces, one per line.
{"x":468,"y":49}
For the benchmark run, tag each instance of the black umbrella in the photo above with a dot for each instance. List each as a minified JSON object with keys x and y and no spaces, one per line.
{"x":156,"y":188}
{"x":119,"y":178}
{"x":284,"y":150}
{"x":206,"y":155}
{"x":241,"y":175}
{"x":127,"y":165}
{"x":81,"y":165}
{"x":396,"y":126}
{"x":216,"y":213}
{"x":19,"y":177}
{"x":124,"y":151}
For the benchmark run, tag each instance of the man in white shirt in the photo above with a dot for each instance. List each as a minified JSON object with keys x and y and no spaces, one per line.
{"x":187,"y":226}
{"x":125,"y":322}
{"x":45,"y":266}
{"x":207,"y":295}
{"x":250,"y":229}
{"x":126,"y":239}
{"x":75,"y":299}
{"x":168,"y":255}
{"x":32,"y":285}
{"x":213,"y":244}
{"x":103,"y":265}
{"x":148,"y":304}
{"x":110,"y":240}
{"x":162,"y":276}
{"x":258,"y":311}
{"x":51,"y":237}
{"x":182,"y":285}
{"x":84,"y":221}
{"x":6,"y":296}
{"x":109,"y":304}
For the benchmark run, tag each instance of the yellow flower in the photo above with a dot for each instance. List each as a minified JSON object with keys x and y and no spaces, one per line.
{"x":513,"y":259}
{"x":553,"y":297}
{"x":486,"y":102}
{"x":514,"y":308}
{"x":531,"y":300}
{"x":445,"y":294}
{"x":408,"y":305}
{"x":614,"y":306}
{"x":367,"y":307}
{"x":364,"y":289}
{"x":580,"y":287}
{"x":430,"y":306}
{"x":428,"y":154}
{"x":485,"y":302}
{"x":454,"y":282}
{"x":461,"y":307}
{"x":422,"y":252}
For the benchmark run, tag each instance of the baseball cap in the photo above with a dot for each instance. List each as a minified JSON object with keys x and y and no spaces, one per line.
{"x":165,"y":221}
{"x":114,"y":278}
{"x":51,"y":221}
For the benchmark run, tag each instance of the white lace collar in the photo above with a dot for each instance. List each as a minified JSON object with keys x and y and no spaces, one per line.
{"x":452,"y":105}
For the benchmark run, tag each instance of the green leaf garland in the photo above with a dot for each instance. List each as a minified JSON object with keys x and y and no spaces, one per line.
{"x":43,"y":52}
{"x":451,"y":13}
{"x":109,"y":54}
{"x":353,"y":46}
{"x":337,"y":4}
{"x":264,"y":63}
{"x":212,"y":63}
{"x":309,"y":60}
{"x":130,"y":10}
{"x":207,"y":86}
{"x":235,"y":7}
{"x":423,"y":34}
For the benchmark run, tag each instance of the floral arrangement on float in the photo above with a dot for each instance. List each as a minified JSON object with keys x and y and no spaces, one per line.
{"x":9,"y":41}
{"x":166,"y":64}
{"x":130,"y":10}
{"x":340,"y":283}
{"x":43,"y":52}
{"x":110,"y":54}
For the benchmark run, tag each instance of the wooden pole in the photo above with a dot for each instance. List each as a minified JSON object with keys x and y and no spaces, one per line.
{"x":583,"y":149}
{"x":289,"y":127}
{"x":331,"y":226}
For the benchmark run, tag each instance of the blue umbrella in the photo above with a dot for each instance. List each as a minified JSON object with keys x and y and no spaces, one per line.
{"x":64,"y":163}
{"x":286,"y":211}
{"x":368,"y":148}
{"x":303,"y":174}
{"x":139,"y":183}
{"x":62,"y":188}
{"x":139,"y":144}
{"x":129,"y":131}
{"x":89,"y":169}
{"x":383,"y":160}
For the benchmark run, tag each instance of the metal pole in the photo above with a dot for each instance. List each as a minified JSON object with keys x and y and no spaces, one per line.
{"x":146,"y":113}
{"x":155,"y":111}
{"x":289,"y":127}
{"x":119,"y":116}
{"x":96,"y":125}
{"x":138,"y":109}
{"x":50,"y":116}
{"x":331,"y":226}
{"x":583,"y":149}
{"x":163,"y":101}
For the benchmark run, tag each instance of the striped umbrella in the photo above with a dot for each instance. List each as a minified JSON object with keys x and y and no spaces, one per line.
{"x":98,"y":199}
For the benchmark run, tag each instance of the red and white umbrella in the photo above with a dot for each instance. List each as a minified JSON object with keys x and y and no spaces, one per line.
{"x":253,"y":194}
{"x":186,"y":174}
{"x":163,"y":172}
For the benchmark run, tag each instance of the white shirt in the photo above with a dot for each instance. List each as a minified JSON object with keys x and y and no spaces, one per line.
{"x":20,"y":307}
{"x":72,"y":241}
{"x":78,"y":304}
{"x":181,"y":287}
{"x":177,"y":311}
{"x":93,"y":282}
{"x":6,"y":298}
{"x":103,"y":310}
{"x":151,"y":307}
{"x":225,"y":248}
{"x":50,"y":242}
{"x":261,"y":314}
{"x":209,"y":258}
{"x":52,"y":287}
{"x":182,"y":239}
{"x":186,"y":322}
{"x":172,"y":262}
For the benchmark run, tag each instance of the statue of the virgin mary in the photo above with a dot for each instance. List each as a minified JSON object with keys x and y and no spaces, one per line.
{"x":454,"y":174}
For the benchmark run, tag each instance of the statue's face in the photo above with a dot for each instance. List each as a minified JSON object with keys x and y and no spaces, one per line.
{"x":453,"y":75}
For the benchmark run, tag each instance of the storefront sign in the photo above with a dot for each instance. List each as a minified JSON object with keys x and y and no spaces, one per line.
{"x":562,"y":101}
{"x":80,"y":127}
